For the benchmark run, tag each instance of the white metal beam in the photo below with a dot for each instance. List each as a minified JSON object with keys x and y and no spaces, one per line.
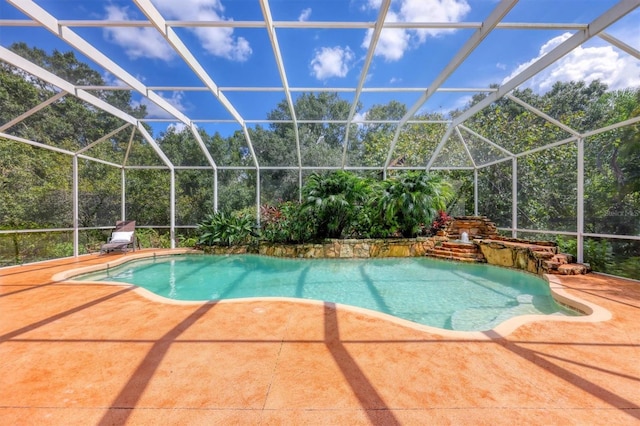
{"x":203,"y":147}
{"x":155,"y":146}
{"x":475,"y":192}
{"x":580,"y":206}
{"x":490,"y":142}
{"x":272,"y":89}
{"x":128,"y":151}
{"x":172,"y":208}
{"x":541,"y":114}
{"x":514,"y":197}
{"x":54,"y":149}
{"x":247,"y":137}
{"x":375,"y":36}
{"x":599,"y":24}
{"x":466,"y":148}
{"x":104,"y":138}
{"x":36,"y":144}
{"x":181,"y":49}
{"x":471,"y":44}
{"x":37,"y":13}
{"x":32,"y":111}
{"x":593,"y":29}
{"x":18,"y":61}
{"x":547,"y":146}
{"x":101,"y":23}
{"x":275,"y":46}
{"x":620,"y":44}
{"x":494,"y":162}
{"x":611,"y":127}
{"x":445,"y":137}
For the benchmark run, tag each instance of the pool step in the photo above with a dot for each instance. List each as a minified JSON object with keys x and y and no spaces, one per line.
{"x":459,"y":247}
{"x":461,"y":252}
{"x":565,"y":264}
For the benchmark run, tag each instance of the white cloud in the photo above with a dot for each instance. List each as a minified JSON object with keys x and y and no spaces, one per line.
{"x":112,"y":80}
{"x":394,"y":42}
{"x":217,"y":41}
{"x":331,"y":62}
{"x":154,"y":111}
{"x":177,"y":127}
{"x":604,"y":63}
{"x":148,"y":43}
{"x":359,"y":117}
{"x":304,"y":15}
{"x":433,"y":11}
{"x":137,"y":42}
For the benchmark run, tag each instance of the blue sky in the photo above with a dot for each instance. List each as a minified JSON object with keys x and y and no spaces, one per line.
{"x":333,"y":58}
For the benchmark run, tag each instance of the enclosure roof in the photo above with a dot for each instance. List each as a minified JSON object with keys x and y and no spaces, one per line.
{"x":223,"y":65}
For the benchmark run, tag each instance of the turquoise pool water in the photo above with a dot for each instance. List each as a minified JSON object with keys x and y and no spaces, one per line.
{"x":442,"y":294}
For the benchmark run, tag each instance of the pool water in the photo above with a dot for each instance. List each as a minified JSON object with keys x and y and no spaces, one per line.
{"x":432,"y":292}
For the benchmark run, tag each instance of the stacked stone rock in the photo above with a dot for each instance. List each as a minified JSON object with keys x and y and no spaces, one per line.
{"x":474,"y":226}
{"x":485,"y":245}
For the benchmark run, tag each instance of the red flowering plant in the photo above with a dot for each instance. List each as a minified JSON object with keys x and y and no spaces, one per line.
{"x":440,"y":222}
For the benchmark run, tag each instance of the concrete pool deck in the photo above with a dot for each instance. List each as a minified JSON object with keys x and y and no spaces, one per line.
{"x":73,"y":353}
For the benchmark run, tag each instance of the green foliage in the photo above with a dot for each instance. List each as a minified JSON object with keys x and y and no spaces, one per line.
{"x":226,"y":229}
{"x":285,"y":223}
{"x":597,"y":253}
{"x":411,"y":201}
{"x":152,"y":238}
{"x":36,"y":184}
{"x":187,"y":242}
{"x":333,"y":201}
{"x":629,"y":268}
{"x":342,"y":204}
{"x":21,"y":248}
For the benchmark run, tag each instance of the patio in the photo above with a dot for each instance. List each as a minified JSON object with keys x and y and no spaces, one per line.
{"x":102,"y":354}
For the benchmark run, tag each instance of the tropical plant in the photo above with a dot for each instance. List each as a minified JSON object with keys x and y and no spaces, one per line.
{"x":333,"y":201}
{"x":411,"y":200}
{"x":187,"y":241}
{"x":441,"y":220}
{"x":285,"y":223}
{"x":225,"y":229}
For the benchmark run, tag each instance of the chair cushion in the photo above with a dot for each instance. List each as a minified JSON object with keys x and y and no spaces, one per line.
{"x":121,"y":237}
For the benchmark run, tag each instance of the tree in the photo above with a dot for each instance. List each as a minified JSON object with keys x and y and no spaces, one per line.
{"x":321,"y":143}
{"x":275,"y":150}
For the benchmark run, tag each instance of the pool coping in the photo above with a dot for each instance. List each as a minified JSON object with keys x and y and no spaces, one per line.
{"x":591,"y":313}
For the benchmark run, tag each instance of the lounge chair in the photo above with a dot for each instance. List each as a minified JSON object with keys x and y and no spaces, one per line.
{"x":121,"y":238}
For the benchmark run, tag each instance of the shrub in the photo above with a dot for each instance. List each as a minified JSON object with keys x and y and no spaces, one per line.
{"x":333,"y":202}
{"x":226,"y":229}
{"x":342,"y":204}
{"x":629,"y":268}
{"x":440,"y":222}
{"x":598,"y":254}
{"x":147,"y":237}
{"x":285,"y":223}
{"x":409,"y":201}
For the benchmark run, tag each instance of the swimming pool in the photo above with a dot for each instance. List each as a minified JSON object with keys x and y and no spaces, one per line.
{"x":448,"y":295}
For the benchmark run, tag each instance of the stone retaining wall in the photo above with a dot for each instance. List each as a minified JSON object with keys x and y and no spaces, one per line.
{"x":362,"y":249}
{"x":528,"y":257}
{"x":474,"y":226}
{"x":518,"y":254}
